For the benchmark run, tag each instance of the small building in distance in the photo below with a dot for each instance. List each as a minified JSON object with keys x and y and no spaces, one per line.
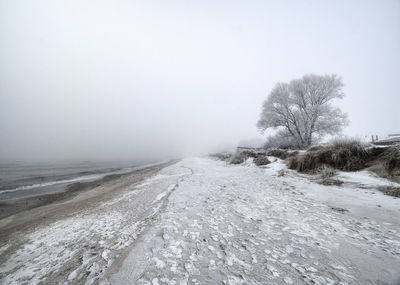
{"x":392,"y":139}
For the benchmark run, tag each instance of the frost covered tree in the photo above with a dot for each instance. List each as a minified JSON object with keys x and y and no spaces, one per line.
{"x":303,"y":108}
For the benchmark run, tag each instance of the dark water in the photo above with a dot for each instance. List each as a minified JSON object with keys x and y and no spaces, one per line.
{"x":24,"y":179}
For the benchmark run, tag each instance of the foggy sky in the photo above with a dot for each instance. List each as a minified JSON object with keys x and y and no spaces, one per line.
{"x":109,"y":80}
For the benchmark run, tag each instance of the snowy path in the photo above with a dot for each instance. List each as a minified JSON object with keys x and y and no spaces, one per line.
{"x":201,"y":221}
{"x":246,"y":225}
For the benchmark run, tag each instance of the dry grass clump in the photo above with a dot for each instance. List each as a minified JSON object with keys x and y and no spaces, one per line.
{"x":349,"y":155}
{"x":261,"y":160}
{"x":240,"y":157}
{"x":390,"y":190}
{"x":344,"y":154}
{"x":315,"y":147}
{"x":281,"y":153}
{"x":237,"y":158}
{"x":391,"y":159}
{"x":385,"y":162}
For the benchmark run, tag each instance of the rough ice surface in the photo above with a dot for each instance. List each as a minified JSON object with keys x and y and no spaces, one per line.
{"x":201,"y":221}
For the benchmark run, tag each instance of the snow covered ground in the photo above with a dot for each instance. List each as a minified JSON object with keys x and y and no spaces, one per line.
{"x":201,"y":221}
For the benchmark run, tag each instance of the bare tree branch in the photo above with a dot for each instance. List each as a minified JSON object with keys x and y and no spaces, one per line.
{"x":303,"y":108}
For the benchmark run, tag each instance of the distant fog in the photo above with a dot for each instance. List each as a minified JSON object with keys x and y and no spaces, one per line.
{"x":130,"y":80}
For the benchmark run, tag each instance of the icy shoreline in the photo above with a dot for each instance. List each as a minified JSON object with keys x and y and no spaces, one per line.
{"x":200,"y":221}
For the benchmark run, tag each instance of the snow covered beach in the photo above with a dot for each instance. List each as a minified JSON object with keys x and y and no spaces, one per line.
{"x":200,"y":221}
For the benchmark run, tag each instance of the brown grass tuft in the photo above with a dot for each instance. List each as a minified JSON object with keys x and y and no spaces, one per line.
{"x":261,"y":160}
{"x":347,"y":154}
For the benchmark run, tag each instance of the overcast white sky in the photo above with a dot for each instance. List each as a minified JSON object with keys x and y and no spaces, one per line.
{"x":132,"y":79}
